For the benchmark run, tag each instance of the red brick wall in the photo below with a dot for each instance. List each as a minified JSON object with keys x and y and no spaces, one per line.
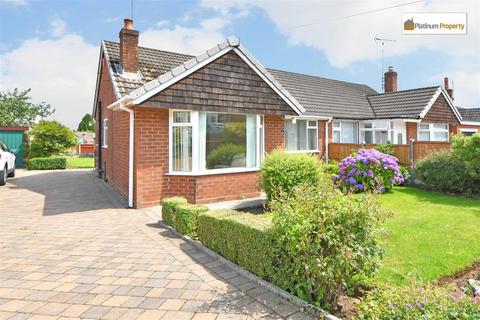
{"x":274,"y":132}
{"x":115,"y":157}
{"x":151,"y":155}
{"x":411,"y":131}
{"x":440,"y":112}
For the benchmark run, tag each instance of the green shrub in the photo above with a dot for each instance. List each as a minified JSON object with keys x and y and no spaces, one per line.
{"x":386,"y":148}
{"x":330,"y":168}
{"x":281,"y":172}
{"x":467,"y":149}
{"x":447,"y":173}
{"x":224,"y":155}
{"x":418,"y":302}
{"x":50,"y":138}
{"x":186,"y":218}
{"x":169,"y":207}
{"x":326,"y":242}
{"x":50,"y":163}
{"x":241,"y":237}
{"x":405,"y":174}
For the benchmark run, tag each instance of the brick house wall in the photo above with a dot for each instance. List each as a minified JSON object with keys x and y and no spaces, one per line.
{"x":440,"y":112}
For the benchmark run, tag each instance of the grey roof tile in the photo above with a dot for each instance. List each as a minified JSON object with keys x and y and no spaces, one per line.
{"x":401,"y":104}
{"x":469,"y":114}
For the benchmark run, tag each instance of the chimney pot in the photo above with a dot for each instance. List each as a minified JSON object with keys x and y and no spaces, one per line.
{"x":445,"y":83}
{"x":128,"y":24}
{"x":390,"y":80}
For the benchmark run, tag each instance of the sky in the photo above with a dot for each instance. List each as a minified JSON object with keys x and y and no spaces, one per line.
{"x":53,"y":46}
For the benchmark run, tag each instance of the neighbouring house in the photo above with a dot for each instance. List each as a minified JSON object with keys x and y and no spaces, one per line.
{"x":470,"y":121}
{"x":85,"y":143}
{"x":171,"y":124}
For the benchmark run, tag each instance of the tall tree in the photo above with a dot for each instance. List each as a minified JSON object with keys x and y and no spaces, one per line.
{"x":87,"y":124}
{"x":50,"y":138}
{"x":16,"y":109}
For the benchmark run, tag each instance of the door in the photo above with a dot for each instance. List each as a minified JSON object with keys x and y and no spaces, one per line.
{"x":14,"y":142}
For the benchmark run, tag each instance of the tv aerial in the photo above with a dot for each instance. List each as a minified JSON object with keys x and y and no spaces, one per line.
{"x":382,"y":42}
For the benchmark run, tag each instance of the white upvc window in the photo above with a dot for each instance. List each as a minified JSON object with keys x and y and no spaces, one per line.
{"x":105,"y":133}
{"x":213,"y":142}
{"x":345,"y":132}
{"x":301,"y":135}
{"x":432,"y":132}
{"x":377,"y":132}
{"x":468,"y":131}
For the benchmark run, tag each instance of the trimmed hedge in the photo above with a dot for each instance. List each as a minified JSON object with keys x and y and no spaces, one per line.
{"x":182,"y":216}
{"x":241,"y":237}
{"x":49,"y":163}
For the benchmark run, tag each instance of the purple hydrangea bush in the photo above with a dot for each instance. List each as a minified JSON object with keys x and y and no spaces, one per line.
{"x":369,"y":170}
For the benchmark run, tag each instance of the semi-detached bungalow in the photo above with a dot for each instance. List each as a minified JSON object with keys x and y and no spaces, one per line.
{"x":171,"y":124}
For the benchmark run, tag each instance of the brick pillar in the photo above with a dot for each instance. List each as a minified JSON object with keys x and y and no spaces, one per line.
{"x":411,"y":131}
{"x":274,"y":127}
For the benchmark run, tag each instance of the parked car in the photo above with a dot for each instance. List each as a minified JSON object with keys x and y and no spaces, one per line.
{"x":7,"y":163}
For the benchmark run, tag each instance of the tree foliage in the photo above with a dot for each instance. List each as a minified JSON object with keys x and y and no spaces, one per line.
{"x":50,"y":138}
{"x":16,"y":109}
{"x":87,"y":124}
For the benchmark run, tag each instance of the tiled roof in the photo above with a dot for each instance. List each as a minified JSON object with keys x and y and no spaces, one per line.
{"x":469,"y":114}
{"x":318,"y":96}
{"x":401,"y":104}
{"x":327,"y":97}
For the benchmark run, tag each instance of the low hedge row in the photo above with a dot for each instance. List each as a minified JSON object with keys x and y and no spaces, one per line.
{"x":49,"y":163}
{"x":181,"y":215}
{"x":241,"y":237}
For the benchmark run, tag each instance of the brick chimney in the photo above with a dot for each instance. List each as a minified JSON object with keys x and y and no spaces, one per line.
{"x":129,"y":47}
{"x":390,"y":80}
{"x":445,"y":85}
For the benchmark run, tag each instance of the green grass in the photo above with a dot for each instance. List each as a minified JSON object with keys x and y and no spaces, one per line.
{"x":430,"y":235}
{"x":76,"y":162}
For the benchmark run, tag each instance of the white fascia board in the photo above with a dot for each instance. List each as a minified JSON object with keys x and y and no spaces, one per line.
{"x":412,"y":120}
{"x":470,"y":123}
{"x":123,"y":102}
{"x":309,"y":117}
{"x":452,"y":106}
{"x":160,"y":87}
{"x":266,"y":76}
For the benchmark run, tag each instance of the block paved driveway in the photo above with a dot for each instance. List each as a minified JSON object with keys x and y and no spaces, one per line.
{"x":68,"y":250}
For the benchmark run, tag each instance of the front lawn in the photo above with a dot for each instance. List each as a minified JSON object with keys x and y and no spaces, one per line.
{"x":430,"y":235}
{"x":76,"y":162}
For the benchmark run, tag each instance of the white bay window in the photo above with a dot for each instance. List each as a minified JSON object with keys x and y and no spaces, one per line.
{"x":379,"y":132}
{"x":301,"y":135}
{"x":432,"y":132}
{"x":210,"y":142}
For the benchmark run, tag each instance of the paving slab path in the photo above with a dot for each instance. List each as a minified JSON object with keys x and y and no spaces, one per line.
{"x":68,"y":250}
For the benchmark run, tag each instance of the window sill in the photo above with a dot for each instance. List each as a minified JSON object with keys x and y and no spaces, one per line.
{"x":104,"y":147}
{"x":303,"y":151}
{"x":213,"y":172}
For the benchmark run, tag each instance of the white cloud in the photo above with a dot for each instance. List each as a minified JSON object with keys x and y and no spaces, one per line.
{"x":345,"y":41}
{"x":190,"y":40}
{"x":60,"y":71}
{"x":16,"y":3}
{"x":58,"y":27}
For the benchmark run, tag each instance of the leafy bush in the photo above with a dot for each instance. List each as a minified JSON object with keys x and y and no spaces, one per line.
{"x":326,"y":241}
{"x":418,"y":302}
{"x":169,"y":207}
{"x":186,"y":218}
{"x":446,"y":173}
{"x":369,"y":170}
{"x":405,"y":174}
{"x":330,"y":168}
{"x":468,"y":150}
{"x":224,"y":155}
{"x":241,"y":237}
{"x":386,"y":148}
{"x":182,"y":216}
{"x":50,"y":138}
{"x":50,"y":163}
{"x":281,"y":172}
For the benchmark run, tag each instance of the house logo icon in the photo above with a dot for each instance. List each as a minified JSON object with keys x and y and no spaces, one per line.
{"x":409,"y":25}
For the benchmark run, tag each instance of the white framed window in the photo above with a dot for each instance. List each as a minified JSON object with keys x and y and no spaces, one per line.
{"x":212,"y":142}
{"x":345,"y":132}
{"x":301,"y":135}
{"x":105,"y":133}
{"x":378,"y":132}
{"x":432,"y":132}
{"x":468,"y":131}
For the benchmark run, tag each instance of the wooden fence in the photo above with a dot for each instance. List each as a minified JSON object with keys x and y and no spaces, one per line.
{"x":84,"y":149}
{"x":338,"y":151}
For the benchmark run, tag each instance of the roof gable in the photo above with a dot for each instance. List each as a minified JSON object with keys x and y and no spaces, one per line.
{"x":151,"y":88}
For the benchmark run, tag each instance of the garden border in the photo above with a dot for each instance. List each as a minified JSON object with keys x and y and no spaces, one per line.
{"x":320,"y":313}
